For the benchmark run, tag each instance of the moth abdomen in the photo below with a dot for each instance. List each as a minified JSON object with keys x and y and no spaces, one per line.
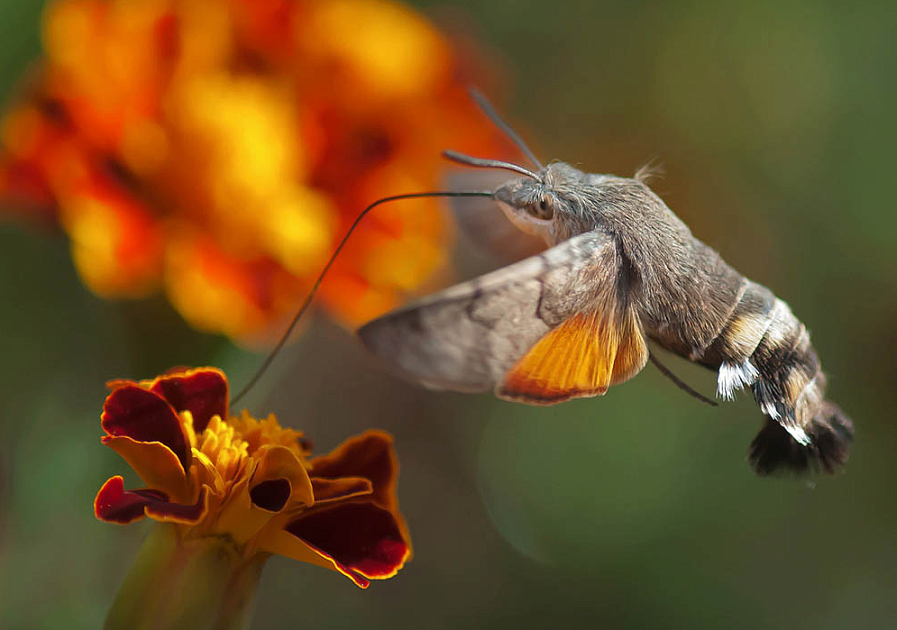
{"x":738,"y":338}
{"x":830,"y":433}
{"x":764,"y":346}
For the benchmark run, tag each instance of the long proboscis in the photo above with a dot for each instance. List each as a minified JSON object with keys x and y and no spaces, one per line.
{"x":314,"y":289}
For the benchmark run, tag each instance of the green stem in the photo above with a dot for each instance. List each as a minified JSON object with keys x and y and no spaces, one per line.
{"x":198,"y":583}
{"x":238,"y":602}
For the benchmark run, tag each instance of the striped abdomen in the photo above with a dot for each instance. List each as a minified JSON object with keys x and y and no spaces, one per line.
{"x":764,"y":346}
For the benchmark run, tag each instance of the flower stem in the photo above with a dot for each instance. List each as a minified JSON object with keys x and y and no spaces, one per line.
{"x":200,"y":583}
{"x":238,"y":602}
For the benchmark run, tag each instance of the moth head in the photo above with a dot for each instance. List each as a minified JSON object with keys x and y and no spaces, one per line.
{"x":539,"y":206}
{"x":537,"y":203}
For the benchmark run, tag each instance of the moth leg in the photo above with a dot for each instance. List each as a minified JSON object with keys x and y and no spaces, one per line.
{"x":679,"y":382}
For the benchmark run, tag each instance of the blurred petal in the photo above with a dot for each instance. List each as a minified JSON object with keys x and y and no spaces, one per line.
{"x":115,"y":241}
{"x":115,"y":383}
{"x":143,"y":416}
{"x":218,"y":292}
{"x":216,"y":149}
{"x":382,"y":48}
{"x":203,"y":392}
{"x":266,"y":26}
{"x":354,"y":300}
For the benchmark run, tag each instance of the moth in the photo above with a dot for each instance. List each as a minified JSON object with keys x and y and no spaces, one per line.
{"x":620,"y":269}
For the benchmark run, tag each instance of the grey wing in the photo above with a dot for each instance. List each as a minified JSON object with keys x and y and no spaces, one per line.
{"x":466,"y":338}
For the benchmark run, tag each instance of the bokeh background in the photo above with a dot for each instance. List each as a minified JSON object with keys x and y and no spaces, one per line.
{"x":774,"y":123}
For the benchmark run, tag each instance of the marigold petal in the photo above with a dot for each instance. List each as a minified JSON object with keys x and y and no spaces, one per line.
{"x":116,"y":383}
{"x":144,"y":416}
{"x":328,"y":490}
{"x":385,"y":49}
{"x":280,"y":462}
{"x":359,"y":538}
{"x":282,"y":543}
{"x":203,"y":392}
{"x":155,"y":463}
{"x":179,"y":513}
{"x":242,"y":517}
{"x":271,"y":495}
{"x":353,"y":300}
{"x":114,"y":504}
{"x":369,"y":455}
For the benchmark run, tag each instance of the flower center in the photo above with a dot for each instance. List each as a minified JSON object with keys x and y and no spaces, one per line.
{"x":224,"y":446}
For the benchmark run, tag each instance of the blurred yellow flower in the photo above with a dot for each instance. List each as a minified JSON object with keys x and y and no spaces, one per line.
{"x":217,"y":149}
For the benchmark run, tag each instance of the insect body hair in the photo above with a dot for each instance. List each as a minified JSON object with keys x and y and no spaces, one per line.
{"x":694,"y":304}
{"x":765,"y":347}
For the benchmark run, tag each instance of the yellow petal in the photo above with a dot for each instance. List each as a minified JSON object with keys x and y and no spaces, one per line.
{"x":239,"y":519}
{"x":155,"y":463}
{"x":281,"y":462}
{"x":278,"y":541}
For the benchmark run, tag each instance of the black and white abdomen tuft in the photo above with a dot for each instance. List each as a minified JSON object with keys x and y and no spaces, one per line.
{"x":765,"y":347}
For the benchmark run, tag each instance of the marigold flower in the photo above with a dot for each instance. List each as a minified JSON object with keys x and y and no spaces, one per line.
{"x":249,"y":484}
{"x":217,"y":149}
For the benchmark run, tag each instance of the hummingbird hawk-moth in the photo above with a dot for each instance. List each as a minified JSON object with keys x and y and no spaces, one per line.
{"x":620,"y":269}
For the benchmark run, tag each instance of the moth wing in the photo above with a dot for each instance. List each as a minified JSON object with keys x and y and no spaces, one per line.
{"x":552,"y":327}
{"x":482,"y":222}
{"x":581,"y":357}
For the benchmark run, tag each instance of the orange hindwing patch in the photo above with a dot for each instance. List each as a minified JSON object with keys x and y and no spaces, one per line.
{"x":580,"y":358}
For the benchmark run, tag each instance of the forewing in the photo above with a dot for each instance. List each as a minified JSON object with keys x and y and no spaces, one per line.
{"x":475,"y":336}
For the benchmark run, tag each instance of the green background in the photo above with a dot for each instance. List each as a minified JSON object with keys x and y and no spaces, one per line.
{"x":775,"y":122}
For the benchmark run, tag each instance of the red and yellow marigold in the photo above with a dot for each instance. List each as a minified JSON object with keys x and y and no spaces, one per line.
{"x":249,"y":486}
{"x":217,"y":149}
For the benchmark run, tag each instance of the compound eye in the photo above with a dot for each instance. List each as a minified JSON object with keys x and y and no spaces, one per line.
{"x":542,"y":209}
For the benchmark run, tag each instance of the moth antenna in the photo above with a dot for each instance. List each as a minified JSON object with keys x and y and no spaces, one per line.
{"x":314,"y":289}
{"x":503,"y":126}
{"x":468,"y":160}
{"x":680,"y":383}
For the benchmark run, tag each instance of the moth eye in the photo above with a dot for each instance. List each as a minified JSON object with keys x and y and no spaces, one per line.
{"x":541,"y":210}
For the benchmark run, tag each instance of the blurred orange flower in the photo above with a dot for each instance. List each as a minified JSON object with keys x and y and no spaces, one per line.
{"x":219,"y":148}
{"x":251,"y":481}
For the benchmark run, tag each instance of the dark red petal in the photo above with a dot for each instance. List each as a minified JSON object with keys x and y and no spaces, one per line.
{"x":145,"y":417}
{"x":118,"y":382}
{"x":202,"y":392}
{"x":369,"y":455}
{"x":177,"y":370}
{"x":180,"y":513}
{"x":271,"y":494}
{"x":359,"y":537}
{"x":116,"y":505}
